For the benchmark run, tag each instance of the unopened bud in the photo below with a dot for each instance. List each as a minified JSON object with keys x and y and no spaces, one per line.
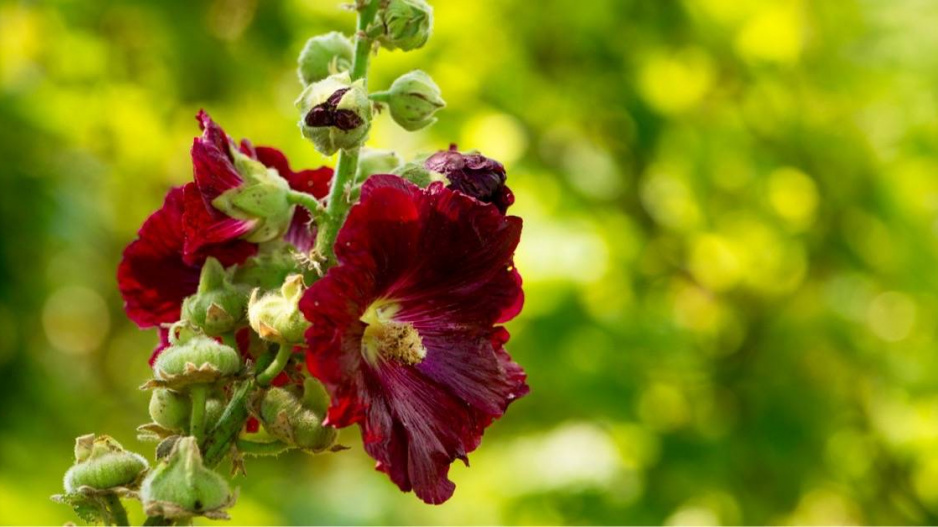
{"x":336,"y":113}
{"x":182,"y":487}
{"x":170,"y":409}
{"x":218,"y":306}
{"x":276,"y":316}
{"x":101,"y":464}
{"x":416,"y":173}
{"x":372,"y":161}
{"x":413,"y":99}
{"x":324,"y":55}
{"x":407,"y":24}
{"x":199,"y":359}
{"x":288,"y":416}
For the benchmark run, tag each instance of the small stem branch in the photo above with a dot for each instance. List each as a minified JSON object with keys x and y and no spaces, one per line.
{"x":254,"y":448}
{"x":284,"y":353}
{"x":380,"y":96}
{"x":308,"y":202}
{"x":198,"y":393}
{"x":338,"y":204}
{"x":116,"y":508}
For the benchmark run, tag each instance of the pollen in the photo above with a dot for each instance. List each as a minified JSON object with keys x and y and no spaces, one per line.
{"x":390,"y":339}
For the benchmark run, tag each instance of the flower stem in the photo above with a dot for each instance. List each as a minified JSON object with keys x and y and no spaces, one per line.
{"x":339,"y":203}
{"x":116,"y":508}
{"x":284,"y":353}
{"x":255,"y":448}
{"x":198,"y":394}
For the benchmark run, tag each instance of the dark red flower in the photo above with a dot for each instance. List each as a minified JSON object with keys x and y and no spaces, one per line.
{"x":473,"y":174}
{"x":404,"y":333}
{"x":215,"y":174}
{"x":153,"y":277}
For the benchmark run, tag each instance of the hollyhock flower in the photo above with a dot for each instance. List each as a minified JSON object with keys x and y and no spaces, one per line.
{"x":154,"y":278}
{"x":473,"y":174}
{"x":236,"y":196}
{"x":404,"y":333}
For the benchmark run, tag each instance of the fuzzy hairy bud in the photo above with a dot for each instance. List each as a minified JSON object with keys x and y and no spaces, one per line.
{"x":407,"y":24}
{"x":413,"y":99}
{"x":324,"y":55}
{"x":218,"y":306}
{"x":101,"y":463}
{"x":276,"y":316}
{"x":182,"y":487}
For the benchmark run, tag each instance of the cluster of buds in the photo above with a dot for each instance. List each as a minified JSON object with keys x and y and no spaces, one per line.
{"x":336,"y":108}
{"x":293,"y":303}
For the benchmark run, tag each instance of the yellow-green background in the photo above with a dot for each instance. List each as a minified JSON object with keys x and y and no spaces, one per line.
{"x":729,"y":252}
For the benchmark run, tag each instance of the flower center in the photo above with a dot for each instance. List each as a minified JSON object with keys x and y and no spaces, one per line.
{"x":387,"y":338}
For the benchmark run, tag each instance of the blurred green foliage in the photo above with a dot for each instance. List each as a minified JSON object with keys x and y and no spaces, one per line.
{"x":730,"y":257}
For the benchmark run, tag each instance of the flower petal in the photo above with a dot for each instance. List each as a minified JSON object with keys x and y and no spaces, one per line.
{"x":212,"y":163}
{"x":204,"y":226}
{"x":152,"y":277}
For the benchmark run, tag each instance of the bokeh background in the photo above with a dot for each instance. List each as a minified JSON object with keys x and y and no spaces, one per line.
{"x":730,"y":257}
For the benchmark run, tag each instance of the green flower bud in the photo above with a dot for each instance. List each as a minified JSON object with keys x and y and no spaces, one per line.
{"x":102,"y":464}
{"x":218,"y":306}
{"x":214,"y":407}
{"x":182,"y":487}
{"x":268,"y":269}
{"x":415,"y":173}
{"x":372,"y":161}
{"x":170,"y":409}
{"x":413,"y":99}
{"x":276,"y":316}
{"x":407,"y":24}
{"x":199,"y":359}
{"x":287,"y":418}
{"x":336,"y":113}
{"x":324,"y":55}
{"x":261,"y":198}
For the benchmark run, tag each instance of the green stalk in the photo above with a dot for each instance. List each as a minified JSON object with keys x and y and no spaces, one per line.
{"x":338,"y":204}
{"x":198,"y":394}
{"x":284,"y":352}
{"x":116,"y":508}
